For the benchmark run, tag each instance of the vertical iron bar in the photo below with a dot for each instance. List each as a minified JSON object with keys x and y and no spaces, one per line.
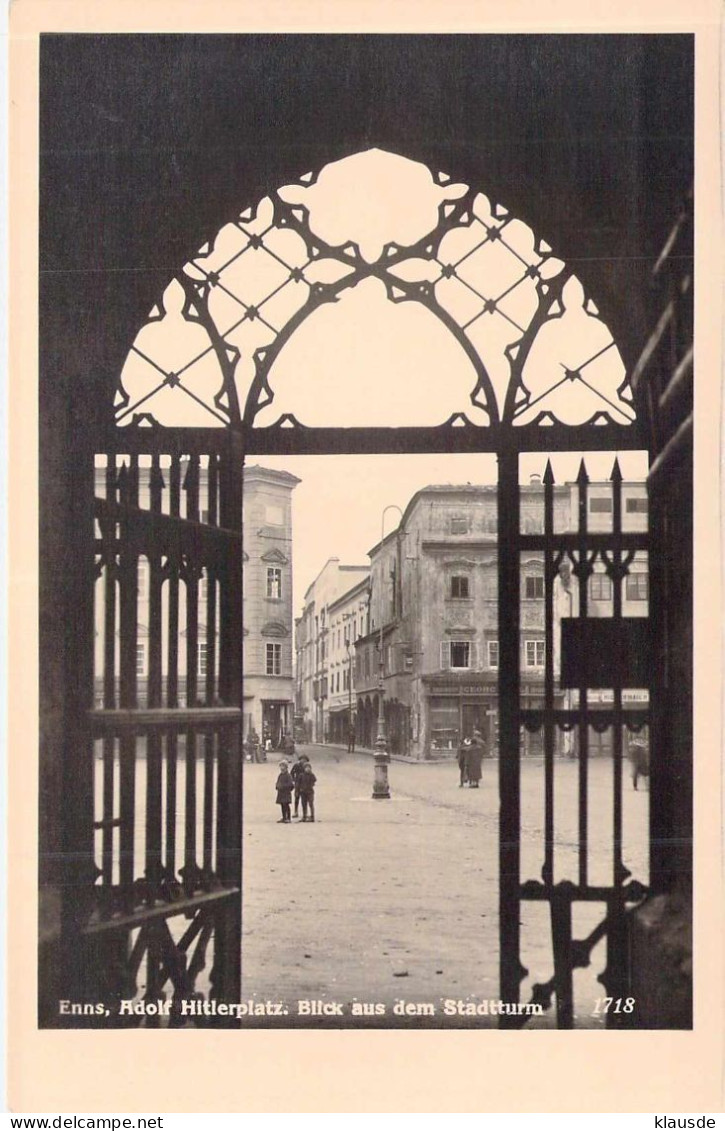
{"x":172,"y":672}
{"x":561,"y":934}
{"x":229,"y":793}
{"x":617,"y":962}
{"x":128,"y":490}
{"x":192,"y":659}
{"x":617,"y":581}
{"x":548,"y":870}
{"x":583,"y":576}
{"x":154,"y":740}
{"x":193,"y":573}
{"x":208,"y":819}
{"x":663,"y":769}
{"x":109,"y":671}
{"x":509,"y":724}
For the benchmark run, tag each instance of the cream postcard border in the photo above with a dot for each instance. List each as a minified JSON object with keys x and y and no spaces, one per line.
{"x":150,"y":1071}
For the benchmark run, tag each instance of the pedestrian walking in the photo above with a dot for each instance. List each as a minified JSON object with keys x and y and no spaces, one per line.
{"x":307,"y":792}
{"x":296,"y":773}
{"x":474,"y":757}
{"x":639,"y":758}
{"x":351,"y":739}
{"x":288,"y":746}
{"x":284,"y":793}
{"x":462,"y":753}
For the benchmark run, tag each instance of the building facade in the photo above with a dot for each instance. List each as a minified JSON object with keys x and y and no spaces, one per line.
{"x":434,"y":617}
{"x":268,"y":636}
{"x":334,"y":614}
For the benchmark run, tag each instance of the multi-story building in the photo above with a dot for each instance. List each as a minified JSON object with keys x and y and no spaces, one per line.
{"x":348,"y":620}
{"x":334,"y":614}
{"x":267,"y":627}
{"x":434,"y":615}
{"x":268,"y":639}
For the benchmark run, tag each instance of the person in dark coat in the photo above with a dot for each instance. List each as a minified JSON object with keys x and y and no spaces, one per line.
{"x":284,"y":793}
{"x":474,"y":757}
{"x":288,"y":746}
{"x":307,"y":792}
{"x":462,"y":753}
{"x":296,"y":773}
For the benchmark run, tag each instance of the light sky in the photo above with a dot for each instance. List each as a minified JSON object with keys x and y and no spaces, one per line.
{"x":338,"y":506}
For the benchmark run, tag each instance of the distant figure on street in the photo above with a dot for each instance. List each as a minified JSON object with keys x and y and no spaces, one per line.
{"x":284,"y":793}
{"x":351,"y":739}
{"x":474,"y":757}
{"x":296,"y":773}
{"x":462,"y":754}
{"x":254,"y":746}
{"x":307,"y":792}
{"x":288,"y":746}
{"x":639,"y":758}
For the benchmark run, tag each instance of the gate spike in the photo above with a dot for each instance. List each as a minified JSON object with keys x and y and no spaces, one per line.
{"x":616,"y":476}
{"x":191,"y":478}
{"x":582,"y":478}
{"x":156,"y":479}
{"x":548,"y":473}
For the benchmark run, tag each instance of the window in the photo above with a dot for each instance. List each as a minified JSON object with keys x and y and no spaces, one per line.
{"x":274,"y":516}
{"x":635,"y":506}
{"x":600,"y":506}
{"x":460,"y":654}
{"x":460,"y":524}
{"x":600,"y":587}
{"x":460,"y":588}
{"x":637,"y":586}
{"x":493,"y":653}
{"x":534,"y":588}
{"x":140,"y":659}
{"x":274,"y":659}
{"x":201,"y":666}
{"x":274,"y":583}
{"x":534,"y":653}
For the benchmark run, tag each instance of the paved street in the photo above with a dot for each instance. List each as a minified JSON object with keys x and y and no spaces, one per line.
{"x":386,"y":900}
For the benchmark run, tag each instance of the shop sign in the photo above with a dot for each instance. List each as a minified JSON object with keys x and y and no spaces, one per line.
{"x":452,"y":687}
{"x":628,"y":697}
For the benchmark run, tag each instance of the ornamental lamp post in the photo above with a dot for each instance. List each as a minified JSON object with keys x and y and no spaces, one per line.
{"x":381,"y":786}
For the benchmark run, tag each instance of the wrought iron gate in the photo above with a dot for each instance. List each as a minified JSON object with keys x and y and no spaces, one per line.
{"x":179,"y":853}
{"x":164,"y":841}
{"x":594,"y":652}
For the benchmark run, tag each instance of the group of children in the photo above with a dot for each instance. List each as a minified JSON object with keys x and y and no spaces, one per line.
{"x":299,"y":781}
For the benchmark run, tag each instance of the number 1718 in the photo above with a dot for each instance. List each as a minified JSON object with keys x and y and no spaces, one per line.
{"x":613,"y":1005}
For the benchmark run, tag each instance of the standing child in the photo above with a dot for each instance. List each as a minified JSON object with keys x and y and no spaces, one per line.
{"x":307,"y":791}
{"x":284,"y":793}
{"x":296,"y":773}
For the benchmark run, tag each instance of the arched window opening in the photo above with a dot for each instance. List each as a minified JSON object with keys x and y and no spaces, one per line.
{"x":374,"y":292}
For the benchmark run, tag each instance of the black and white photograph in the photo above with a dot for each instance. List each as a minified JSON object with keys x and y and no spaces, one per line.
{"x":365,"y":458}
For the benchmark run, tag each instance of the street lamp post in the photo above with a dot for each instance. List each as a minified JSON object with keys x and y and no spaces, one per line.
{"x":381,"y":786}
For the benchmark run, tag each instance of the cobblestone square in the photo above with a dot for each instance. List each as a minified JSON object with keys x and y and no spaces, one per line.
{"x":389,"y":901}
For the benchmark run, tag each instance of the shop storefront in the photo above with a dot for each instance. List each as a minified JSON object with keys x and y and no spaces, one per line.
{"x":453,"y":706}
{"x":277,"y":720}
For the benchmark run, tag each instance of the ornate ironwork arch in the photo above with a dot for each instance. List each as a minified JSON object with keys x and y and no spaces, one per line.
{"x":528,"y":339}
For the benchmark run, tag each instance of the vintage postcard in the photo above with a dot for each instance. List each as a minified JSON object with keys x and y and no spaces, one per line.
{"x":364,"y":474}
